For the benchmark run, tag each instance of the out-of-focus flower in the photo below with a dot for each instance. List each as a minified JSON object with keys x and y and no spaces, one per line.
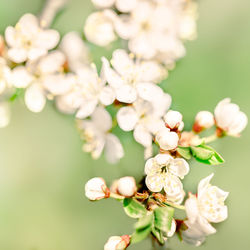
{"x":117,"y":242}
{"x":76,"y":51}
{"x":203,"y":120}
{"x":42,"y":77}
{"x":99,"y":28}
{"x":145,"y":118}
{"x":103,"y":3}
{"x":173,"y":120}
{"x":167,"y":139}
{"x":5,"y":75}
{"x":4,"y":114}
{"x":51,"y":8}
{"x":132,"y":79}
{"x":29,"y":41}
{"x":163,"y":171}
{"x":98,"y":138}
{"x":156,"y":29}
{"x":229,"y":118}
{"x":96,"y":189}
{"x":126,"y":186}
{"x":208,"y":206}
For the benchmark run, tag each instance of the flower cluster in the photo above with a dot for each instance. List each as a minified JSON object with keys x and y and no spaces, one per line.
{"x":36,"y":64}
{"x":154,"y":29}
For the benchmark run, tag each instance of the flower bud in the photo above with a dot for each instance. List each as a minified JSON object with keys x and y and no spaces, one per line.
{"x":229,"y":118}
{"x":117,"y":242}
{"x":126,"y":186}
{"x":96,"y":189}
{"x":173,"y":120}
{"x":203,"y":120}
{"x":166,"y":139}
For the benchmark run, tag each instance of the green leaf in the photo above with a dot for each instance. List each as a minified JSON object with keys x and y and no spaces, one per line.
{"x":201,"y":153}
{"x":207,"y":155}
{"x":144,"y":221}
{"x":163,"y":218}
{"x":133,"y":208}
{"x":158,"y":235}
{"x":184,"y":152}
{"x":140,"y":235}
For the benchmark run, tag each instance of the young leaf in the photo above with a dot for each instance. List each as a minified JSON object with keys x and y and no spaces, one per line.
{"x":140,"y":235}
{"x":163,"y":218}
{"x":207,"y":155}
{"x":158,"y":235}
{"x":144,"y":222}
{"x":184,"y":152}
{"x":133,"y":208}
{"x":201,"y":153}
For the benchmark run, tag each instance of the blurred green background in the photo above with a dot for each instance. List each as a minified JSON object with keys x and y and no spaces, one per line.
{"x":43,"y":170}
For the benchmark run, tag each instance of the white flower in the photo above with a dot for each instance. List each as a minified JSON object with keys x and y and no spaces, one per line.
{"x":229,"y":118}
{"x":126,"y":186}
{"x":155,"y":29}
{"x":173,"y":120}
{"x":41,"y":78}
{"x":4,"y":114}
{"x":99,"y":27}
{"x":208,"y":206}
{"x":203,"y":120}
{"x":91,"y":89}
{"x":132,"y":79}
{"x":117,"y":243}
{"x":98,"y":138}
{"x":163,"y":171}
{"x":75,"y":49}
{"x":145,"y":118}
{"x":5,"y":75}
{"x":29,"y":41}
{"x":51,"y":8}
{"x":96,"y":189}
{"x":166,"y":139}
{"x":125,"y":6}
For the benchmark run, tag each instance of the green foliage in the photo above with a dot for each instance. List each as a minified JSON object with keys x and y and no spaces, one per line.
{"x":202,"y":153}
{"x":133,"y":208}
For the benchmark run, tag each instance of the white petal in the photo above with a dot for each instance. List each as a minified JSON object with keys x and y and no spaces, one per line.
{"x":155,"y":182}
{"x":126,"y":94}
{"x":127,"y":118}
{"x":172,"y":185}
{"x":103,"y":3}
{"x":204,"y":184}
{"x":121,"y":62}
{"x":192,"y":209}
{"x":34,"y":98}
{"x":113,"y":149}
{"x":28,"y":25}
{"x":151,"y":71}
{"x":10,"y":36}
{"x":143,"y":136}
{"x":179,"y":167}
{"x":163,"y":159}
{"x":47,"y":39}
{"x":125,"y":6}
{"x":20,"y":77}
{"x":59,"y":84}
{"x":149,"y":91}
{"x":51,"y":63}
{"x":102,"y":119}
{"x":35,"y":53}
{"x":107,"y":96}
{"x":126,"y":27}
{"x":86,"y":109}
{"x":17,"y":55}
{"x":151,"y":167}
{"x":110,"y":75}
